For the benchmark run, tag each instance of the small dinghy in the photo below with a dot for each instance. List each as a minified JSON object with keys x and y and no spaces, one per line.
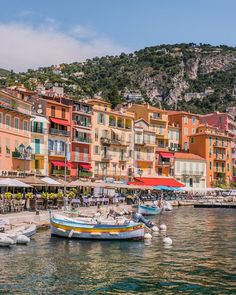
{"x":103,"y":229}
{"x":149,"y":210}
{"x":5,"y":241}
{"x":21,"y":235}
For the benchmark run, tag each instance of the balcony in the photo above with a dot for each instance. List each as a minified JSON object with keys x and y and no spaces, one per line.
{"x":60,"y":172}
{"x":106,"y":158}
{"x":123,"y":159}
{"x":192,"y":173}
{"x":85,"y":174}
{"x":105,"y":141}
{"x":82,"y":111}
{"x":83,"y":124}
{"x":56,"y":153}
{"x":164,"y":163}
{"x":220,"y":157}
{"x":82,"y":140}
{"x":220,"y":144}
{"x":38,"y":130}
{"x":54,"y":131}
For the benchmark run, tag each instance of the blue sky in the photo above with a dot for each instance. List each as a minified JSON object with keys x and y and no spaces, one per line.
{"x":45,"y":32}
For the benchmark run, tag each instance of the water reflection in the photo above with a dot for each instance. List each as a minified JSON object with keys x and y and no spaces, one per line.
{"x":202,"y":260}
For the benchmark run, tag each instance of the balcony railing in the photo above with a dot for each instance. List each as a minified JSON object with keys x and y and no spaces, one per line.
{"x":220,"y":144}
{"x":89,"y":112}
{"x":56,"y":153}
{"x":193,"y":173}
{"x":105,"y":140}
{"x":82,"y":139}
{"x":106,"y":157}
{"x":54,"y":131}
{"x":60,"y":172}
{"x":85,"y":174}
{"x":220,"y":157}
{"x":83,"y":124}
{"x":39,"y":130}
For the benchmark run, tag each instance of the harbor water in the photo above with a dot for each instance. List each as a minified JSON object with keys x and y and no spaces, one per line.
{"x":202,"y":260}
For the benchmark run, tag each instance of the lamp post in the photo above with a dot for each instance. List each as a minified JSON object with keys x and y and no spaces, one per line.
{"x":25,"y":152}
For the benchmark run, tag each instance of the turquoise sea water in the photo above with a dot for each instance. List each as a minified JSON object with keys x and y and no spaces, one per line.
{"x":202,"y":260}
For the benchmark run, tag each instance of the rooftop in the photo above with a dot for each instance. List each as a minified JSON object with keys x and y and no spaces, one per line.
{"x":188,"y":156}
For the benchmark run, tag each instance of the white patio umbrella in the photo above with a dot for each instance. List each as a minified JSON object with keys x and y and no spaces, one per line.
{"x":11,"y":182}
{"x":51,"y":182}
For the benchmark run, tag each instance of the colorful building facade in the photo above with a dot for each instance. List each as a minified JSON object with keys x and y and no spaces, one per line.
{"x":215,"y":147}
{"x":15,"y":116}
{"x":112,"y":142}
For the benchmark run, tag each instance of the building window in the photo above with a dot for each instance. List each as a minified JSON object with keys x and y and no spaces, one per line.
{"x":178,"y":166}
{"x":193,"y":131}
{"x":63,"y":113}
{"x":210,"y":140}
{"x":192,"y":139}
{"x":217,"y":166}
{"x":220,"y":120}
{"x":25,"y":126}
{"x":8,"y":121}
{"x":210,"y":152}
{"x":130,"y":153}
{"x":210,"y":165}
{"x":122,"y":167}
{"x":186,"y":131}
{"x":16,"y":123}
{"x":53,"y":111}
{"x":177,"y":135}
{"x":96,"y":150}
{"x":186,"y":146}
{"x":8,"y":150}
{"x":223,"y":167}
{"x":228,"y":167}
{"x":185,"y":119}
{"x":101,"y":119}
{"x":193,"y":120}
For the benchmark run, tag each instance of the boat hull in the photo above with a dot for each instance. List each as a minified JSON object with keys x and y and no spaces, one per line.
{"x":78,"y":230}
{"x":148,"y":210}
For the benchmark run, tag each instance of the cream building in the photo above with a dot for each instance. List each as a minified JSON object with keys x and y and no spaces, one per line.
{"x":144,"y":149}
{"x":190,"y":169}
{"x":112,"y":142}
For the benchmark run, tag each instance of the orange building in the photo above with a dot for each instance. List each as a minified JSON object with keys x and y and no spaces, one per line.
{"x":187,"y":123}
{"x":215,"y":147}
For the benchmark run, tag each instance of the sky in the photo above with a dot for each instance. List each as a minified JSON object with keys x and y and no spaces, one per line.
{"x":36,"y":33}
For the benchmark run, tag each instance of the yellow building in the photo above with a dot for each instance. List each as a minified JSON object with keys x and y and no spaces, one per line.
{"x":144,"y":149}
{"x":112,"y":142}
{"x":157,"y":120}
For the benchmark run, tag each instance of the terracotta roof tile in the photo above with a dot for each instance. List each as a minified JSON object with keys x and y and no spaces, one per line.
{"x":188,"y":156}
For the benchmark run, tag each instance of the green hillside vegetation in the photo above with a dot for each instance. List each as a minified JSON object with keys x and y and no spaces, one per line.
{"x":160,"y":69}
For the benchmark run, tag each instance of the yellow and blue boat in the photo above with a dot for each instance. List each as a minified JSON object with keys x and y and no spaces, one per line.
{"x":97,"y":230}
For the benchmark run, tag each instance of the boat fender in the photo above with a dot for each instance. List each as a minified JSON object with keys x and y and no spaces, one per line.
{"x":163,"y":227}
{"x":147,"y":236}
{"x":167,"y":241}
{"x":71,"y":233}
{"x":22,"y":239}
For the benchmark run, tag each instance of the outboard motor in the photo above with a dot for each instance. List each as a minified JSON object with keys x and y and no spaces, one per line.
{"x":139,"y":218}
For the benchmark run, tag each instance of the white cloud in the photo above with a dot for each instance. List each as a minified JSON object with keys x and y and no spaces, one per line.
{"x":24,"y":46}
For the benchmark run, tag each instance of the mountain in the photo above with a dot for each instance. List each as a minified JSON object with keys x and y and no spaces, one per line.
{"x":195,"y":77}
{"x":4,"y":72}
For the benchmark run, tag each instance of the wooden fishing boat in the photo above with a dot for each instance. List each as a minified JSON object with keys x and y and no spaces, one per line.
{"x":99,"y":230}
{"x":149,"y":210}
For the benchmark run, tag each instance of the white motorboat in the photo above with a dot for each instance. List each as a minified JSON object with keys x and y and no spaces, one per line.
{"x":5,"y":241}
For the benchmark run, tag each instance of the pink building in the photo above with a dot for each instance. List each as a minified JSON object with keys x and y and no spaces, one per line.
{"x":225,"y":122}
{"x":15,"y":115}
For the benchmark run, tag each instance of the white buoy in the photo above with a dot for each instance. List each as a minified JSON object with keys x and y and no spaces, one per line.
{"x":22,"y":239}
{"x":167,"y":241}
{"x":147,"y":236}
{"x":155,"y":228}
{"x":163,"y":227}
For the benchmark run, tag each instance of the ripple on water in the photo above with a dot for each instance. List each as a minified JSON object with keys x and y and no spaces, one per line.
{"x":202,"y":260}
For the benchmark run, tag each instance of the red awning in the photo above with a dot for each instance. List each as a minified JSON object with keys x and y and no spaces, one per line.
{"x":61,"y":164}
{"x":60,"y":121}
{"x":166,"y":155}
{"x":156,"y":182}
{"x":86,"y":166}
